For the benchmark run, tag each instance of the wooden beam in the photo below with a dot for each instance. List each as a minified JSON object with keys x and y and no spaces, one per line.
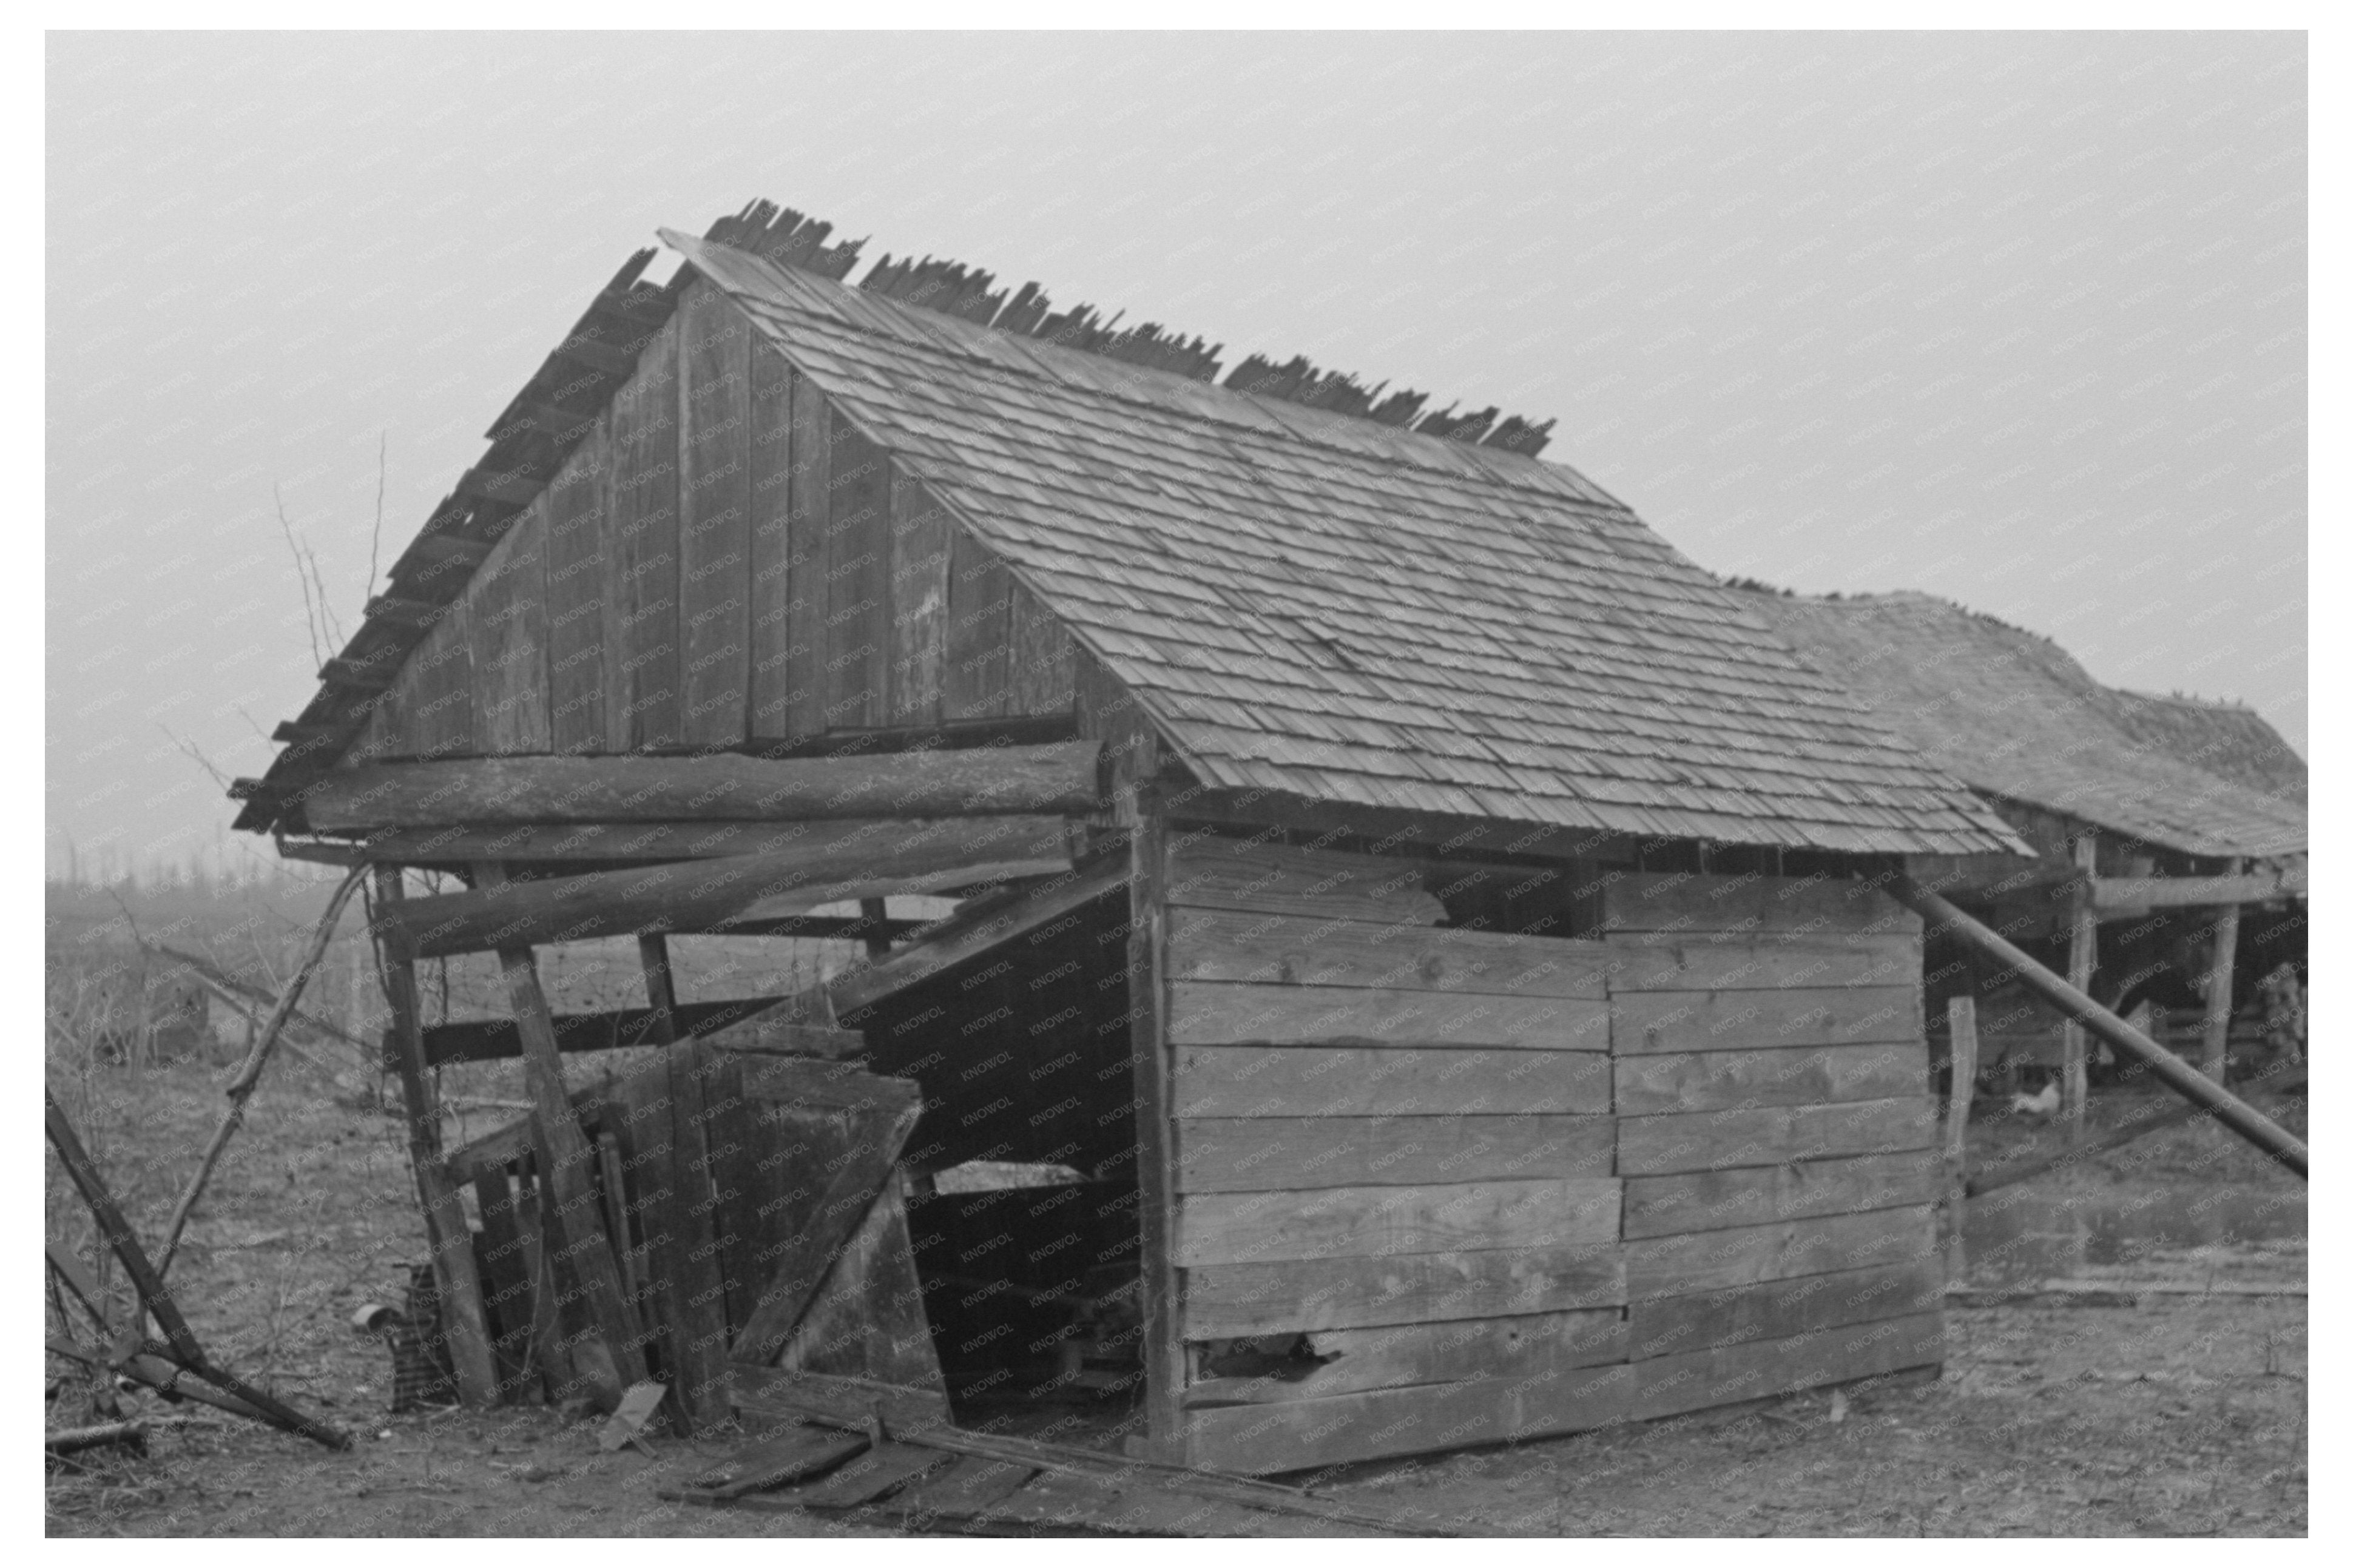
{"x":1469,"y":835}
{"x":963,"y":936}
{"x":1961,"y":1024}
{"x":602,"y":844}
{"x":2083,"y":957}
{"x":2176,"y":1075}
{"x":376,"y":674}
{"x":980,"y":781}
{"x":466,"y":1324}
{"x":2138,"y":894}
{"x":696,"y":896}
{"x":500,"y":1039}
{"x":1163,"y":1345}
{"x":2217,"y":990}
{"x":565,"y":1156}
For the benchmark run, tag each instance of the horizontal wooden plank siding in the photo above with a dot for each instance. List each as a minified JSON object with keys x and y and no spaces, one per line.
{"x":1673,"y":902}
{"x":1672,"y":1325}
{"x":1237,"y":1300}
{"x":1728,"y":1080}
{"x":1724,"y":1260}
{"x":1676,"y":961}
{"x":1209,"y":871}
{"x":1768,"y":1135}
{"x":1303,"y":1080}
{"x":1536,"y":1346}
{"x":1381,"y":1222}
{"x":1289,"y":949}
{"x":1240,"y":1155}
{"x":1204,"y":1013}
{"x":1268,"y":1439}
{"x":1720,"y":1200}
{"x":1734,"y":1020}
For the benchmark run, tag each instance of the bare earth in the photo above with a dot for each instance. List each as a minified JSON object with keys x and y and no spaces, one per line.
{"x":2183,"y":1415}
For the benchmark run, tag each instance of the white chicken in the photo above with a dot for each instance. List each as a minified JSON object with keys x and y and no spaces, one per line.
{"x":2044,"y":1102}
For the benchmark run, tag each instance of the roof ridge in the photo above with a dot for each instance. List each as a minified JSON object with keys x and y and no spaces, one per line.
{"x":1467,"y":461}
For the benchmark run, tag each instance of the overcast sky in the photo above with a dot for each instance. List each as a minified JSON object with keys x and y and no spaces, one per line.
{"x":2017,"y":320}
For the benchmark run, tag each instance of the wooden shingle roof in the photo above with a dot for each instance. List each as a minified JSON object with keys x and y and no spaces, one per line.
{"x":1341,"y":609}
{"x":2016,"y":716}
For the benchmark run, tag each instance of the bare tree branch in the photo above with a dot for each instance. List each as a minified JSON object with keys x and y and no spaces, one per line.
{"x":310,"y":612}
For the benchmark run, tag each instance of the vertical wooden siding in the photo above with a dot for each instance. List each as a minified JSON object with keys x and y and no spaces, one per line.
{"x":723,"y":559}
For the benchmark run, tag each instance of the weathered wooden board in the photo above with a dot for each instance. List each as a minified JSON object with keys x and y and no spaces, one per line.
{"x":690,"y":896}
{"x":1268,"y":1438}
{"x":641,"y":631}
{"x":585,"y":845}
{"x":1252,"y":1154}
{"x":1814,"y":906}
{"x":1042,"y":674}
{"x":976,"y":682}
{"x":440,"y":681}
{"x":1537,"y":1345}
{"x":1779,"y":1309}
{"x":805,"y":586}
{"x":1720,"y":1200}
{"x":1282,"y":949}
{"x":1240,"y":1300}
{"x":866,"y":1321}
{"x":919,"y":535}
{"x":1307,"y":1080}
{"x":1382,"y":1222}
{"x":1723,"y":1259}
{"x":575,"y":597}
{"x":1210,"y":872}
{"x":714,"y":519}
{"x":857,"y":665}
{"x":1206,"y":1013}
{"x":1676,"y":961}
{"x":494,"y":1039}
{"x":1756,"y":1369}
{"x":1654,"y":1021}
{"x":973,"y":782}
{"x":506,"y":621}
{"x":1768,"y":1135}
{"x":774,"y":568}
{"x":1806,"y":1075}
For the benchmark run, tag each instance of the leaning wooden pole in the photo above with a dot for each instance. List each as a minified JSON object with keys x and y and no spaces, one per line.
{"x":2176,"y":1074}
{"x":249,"y":1073}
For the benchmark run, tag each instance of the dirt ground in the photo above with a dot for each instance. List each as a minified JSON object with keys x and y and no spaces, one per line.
{"x":2178,"y":1414}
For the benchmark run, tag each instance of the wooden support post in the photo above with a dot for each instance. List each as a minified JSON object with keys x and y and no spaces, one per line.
{"x":2218,"y":987}
{"x":1148,"y":1000}
{"x":682,"y":1242}
{"x":465,"y":1325}
{"x":1961,"y":1025}
{"x":878,"y":941}
{"x":564,"y":1156}
{"x":2083,"y":957}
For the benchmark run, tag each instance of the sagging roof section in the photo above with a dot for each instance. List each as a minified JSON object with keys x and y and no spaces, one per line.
{"x":1331,"y":607}
{"x":2016,"y":716}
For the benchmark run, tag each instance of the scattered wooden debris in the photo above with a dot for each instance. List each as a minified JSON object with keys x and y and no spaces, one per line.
{"x":167,"y":1366}
{"x":916,"y":1468}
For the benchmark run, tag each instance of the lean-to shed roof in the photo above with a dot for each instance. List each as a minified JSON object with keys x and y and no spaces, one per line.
{"x":2016,"y":716}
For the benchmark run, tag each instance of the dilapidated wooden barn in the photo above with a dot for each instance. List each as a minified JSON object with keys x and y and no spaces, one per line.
{"x":2160,"y":825}
{"x":1429,"y":924}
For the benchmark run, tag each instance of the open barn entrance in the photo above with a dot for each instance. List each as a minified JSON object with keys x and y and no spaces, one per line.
{"x":1021,"y":1173}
